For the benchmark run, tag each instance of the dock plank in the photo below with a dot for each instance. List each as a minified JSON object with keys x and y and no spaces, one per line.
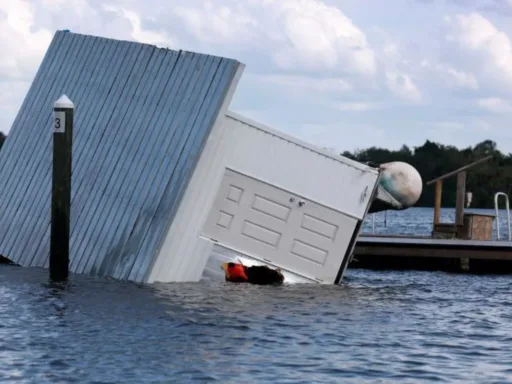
{"x":415,"y":253}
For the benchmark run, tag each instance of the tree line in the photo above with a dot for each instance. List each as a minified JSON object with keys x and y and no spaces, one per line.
{"x":434,"y":159}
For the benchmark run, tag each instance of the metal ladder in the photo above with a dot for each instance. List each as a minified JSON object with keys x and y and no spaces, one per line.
{"x":373,"y":220}
{"x":496,"y":196}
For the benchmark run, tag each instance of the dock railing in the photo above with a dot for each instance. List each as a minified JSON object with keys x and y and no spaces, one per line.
{"x":373,"y":215}
{"x":461,"y":191}
{"x":497,"y":212}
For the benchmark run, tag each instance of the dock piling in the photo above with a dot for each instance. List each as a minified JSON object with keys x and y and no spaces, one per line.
{"x":460,"y":199}
{"x":61,"y":188}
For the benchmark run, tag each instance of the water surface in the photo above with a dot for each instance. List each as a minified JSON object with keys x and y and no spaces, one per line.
{"x":382,"y":327}
{"x":397,"y":327}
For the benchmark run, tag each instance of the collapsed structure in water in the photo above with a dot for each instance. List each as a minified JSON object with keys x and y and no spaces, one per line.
{"x":163,"y":172}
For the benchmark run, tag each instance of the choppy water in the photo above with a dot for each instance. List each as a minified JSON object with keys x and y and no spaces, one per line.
{"x":385,"y":327}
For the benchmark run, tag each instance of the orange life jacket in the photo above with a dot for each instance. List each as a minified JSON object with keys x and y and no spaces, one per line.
{"x":235,"y":272}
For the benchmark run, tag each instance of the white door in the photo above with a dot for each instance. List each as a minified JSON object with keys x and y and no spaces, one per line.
{"x":279,"y":227}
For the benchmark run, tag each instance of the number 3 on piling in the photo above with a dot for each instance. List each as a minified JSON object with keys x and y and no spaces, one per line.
{"x":59,"y":122}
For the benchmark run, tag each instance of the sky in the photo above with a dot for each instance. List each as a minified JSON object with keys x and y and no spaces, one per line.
{"x":340,"y":74}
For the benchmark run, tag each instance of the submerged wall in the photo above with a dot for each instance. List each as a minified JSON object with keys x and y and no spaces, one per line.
{"x":142,"y":117}
{"x":274,"y":157}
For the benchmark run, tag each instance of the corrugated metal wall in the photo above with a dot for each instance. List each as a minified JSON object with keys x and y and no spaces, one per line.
{"x":142,"y":116}
{"x":183,"y":236}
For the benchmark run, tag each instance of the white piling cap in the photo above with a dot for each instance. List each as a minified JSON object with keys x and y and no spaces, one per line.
{"x":64,"y":102}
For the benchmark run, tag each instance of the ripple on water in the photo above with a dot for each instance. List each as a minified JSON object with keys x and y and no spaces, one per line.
{"x":385,"y":327}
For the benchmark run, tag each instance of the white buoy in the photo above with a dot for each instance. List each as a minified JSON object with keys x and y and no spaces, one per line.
{"x":402,"y":181}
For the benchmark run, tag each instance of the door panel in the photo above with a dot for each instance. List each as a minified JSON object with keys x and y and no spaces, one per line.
{"x":279,"y":227}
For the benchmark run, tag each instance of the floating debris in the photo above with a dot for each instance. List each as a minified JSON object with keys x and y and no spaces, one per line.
{"x":256,"y":274}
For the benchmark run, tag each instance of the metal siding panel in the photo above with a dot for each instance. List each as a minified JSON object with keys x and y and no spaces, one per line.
{"x":108,"y":152}
{"x":163,"y":150}
{"x":131,"y":237}
{"x":181,"y":237}
{"x":40,"y":163}
{"x":40,"y":191}
{"x":111,"y":159}
{"x":132,"y":183}
{"x":183,"y":175}
{"x":121,"y":182}
{"x":109,"y":55}
{"x":42,"y":180}
{"x":186,"y":233}
{"x":95,"y":148}
{"x":76,"y":69}
{"x":194,"y":83}
{"x":152,"y":152}
{"x":158,"y":148}
{"x":193,"y":143}
{"x":107,"y":69}
{"x":20,"y":134}
{"x":132,"y":136}
{"x":18,"y":211}
{"x":230,"y":139}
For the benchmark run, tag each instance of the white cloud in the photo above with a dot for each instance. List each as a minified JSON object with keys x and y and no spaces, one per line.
{"x":22,"y":44}
{"x":159,"y":38}
{"x":27,"y":28}
{"x":403,"y":87}
{"x":391,"y":50}
{"x":495,"y":105}
{"x":460,"y":79}
{"x":475,"y":34}
{"x":306,"y":85}
{"x":307,"y":60}
{"x":453,"y":77}
{"x":216,"y":23}
{"x":11,"y":95}
{"x":79,"y":7}
{"x":462,"y":131}
{"x":322,"y":36}
{"x":300,"y":34}
{"x":334,"y":93}
{"x":340,"y":136}
{"x":356,"y":106}
{"x":441,"y":126}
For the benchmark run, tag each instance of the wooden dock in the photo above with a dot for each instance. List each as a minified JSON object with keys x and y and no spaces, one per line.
{"x":423,"y":253}
{"x":467,"y":245}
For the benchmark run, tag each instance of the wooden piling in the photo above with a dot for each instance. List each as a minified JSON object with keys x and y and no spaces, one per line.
{"x":61,"y":188}
{"x":460,"y":197}
{"x":437,"y":202}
